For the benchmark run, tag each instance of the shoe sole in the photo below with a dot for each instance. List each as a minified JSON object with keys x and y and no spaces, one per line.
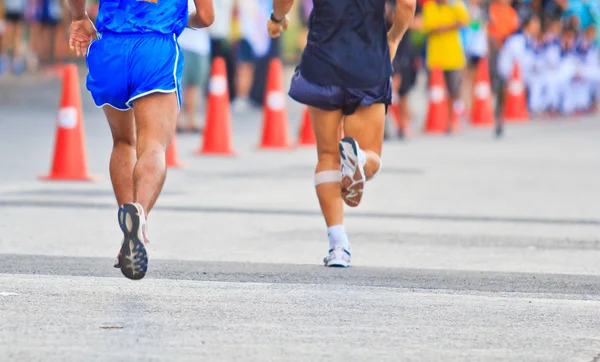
{"x":133,"y":258}
{"x":353,"y":183}
{"x":336,"y":263}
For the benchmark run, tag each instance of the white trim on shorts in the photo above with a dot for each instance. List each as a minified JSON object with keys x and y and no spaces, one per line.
{"x":108,"y":104}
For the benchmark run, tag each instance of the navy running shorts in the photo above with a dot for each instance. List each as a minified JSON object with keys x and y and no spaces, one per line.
{"x":124,"y":67}
{"x":331,"y":98}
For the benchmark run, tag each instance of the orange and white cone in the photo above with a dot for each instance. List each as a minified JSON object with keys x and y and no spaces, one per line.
{"x":515,"y":106}
{"x":482,"y":113}
{"x":69,"y":163}
{"x":275,"y":128}
{"x":217,"y":131}
{"x":307,"y":133}
{"x":437,"y":113}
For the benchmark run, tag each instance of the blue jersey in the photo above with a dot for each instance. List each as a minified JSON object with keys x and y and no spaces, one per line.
{"x":142,"y":16}
{"x":347,"y":44}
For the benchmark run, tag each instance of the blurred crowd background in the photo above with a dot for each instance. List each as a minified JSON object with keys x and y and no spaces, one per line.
{"x":554,"y":42}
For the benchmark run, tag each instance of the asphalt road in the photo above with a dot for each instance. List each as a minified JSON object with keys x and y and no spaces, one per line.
{"x":465,"y":248}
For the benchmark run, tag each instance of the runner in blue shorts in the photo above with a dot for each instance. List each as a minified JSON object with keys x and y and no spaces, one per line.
{"x":134,"y":74}
{"x":345,"y":77}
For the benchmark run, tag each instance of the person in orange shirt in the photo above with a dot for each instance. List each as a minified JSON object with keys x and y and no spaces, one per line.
{"x":503,"y":21}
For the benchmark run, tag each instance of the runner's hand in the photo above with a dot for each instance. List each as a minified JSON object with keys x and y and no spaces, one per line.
{"x":83,"y":32}
{"x":275,"y":29}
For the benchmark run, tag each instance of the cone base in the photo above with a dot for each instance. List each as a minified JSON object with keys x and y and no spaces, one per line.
{"x":300,"y":144}
{"x":215,"y":153}
{"x":516,"y":120}
{"x":273,"y":147}
{"x":176,"y":165}
{"x":68,"y":177}
{"x":483,"y":125}
{"x":436,"y":131}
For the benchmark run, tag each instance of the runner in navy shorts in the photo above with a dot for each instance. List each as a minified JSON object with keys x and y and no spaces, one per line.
{"x":344,"y":78}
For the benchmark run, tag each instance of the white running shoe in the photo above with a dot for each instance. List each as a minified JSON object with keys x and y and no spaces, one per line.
{"x":353,"y":172}
{"x":338,"y":257}
{"x":133,"y":256}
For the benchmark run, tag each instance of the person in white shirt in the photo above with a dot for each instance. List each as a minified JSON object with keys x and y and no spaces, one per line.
{"x":561,"y":65}
{"x":254,"y":44}
{"x":195,"y":44}
{"x":220,"y":39}
{"x":584,"y":85}
{"x":519,"y":48}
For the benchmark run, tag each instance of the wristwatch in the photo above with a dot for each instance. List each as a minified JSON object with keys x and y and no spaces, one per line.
{"x":273,"y":19}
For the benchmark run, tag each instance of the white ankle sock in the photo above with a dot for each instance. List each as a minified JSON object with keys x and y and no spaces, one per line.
{"x":337,"y":236}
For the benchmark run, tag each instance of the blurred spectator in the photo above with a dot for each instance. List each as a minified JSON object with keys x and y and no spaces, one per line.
{"x":476,"y":45}
{"x":442,"y":20}
{"x":560,"y":63}
{"x":253,"y":45}
{"x":12,"y":55}
{"x":48,"y":15}
{"x":519,"y":49}
{"x":525,"y":8}
{"x":406,"y":66}
{"x":92,"y":9}
{"x":587,"y":12}
{"x":552,"y":31}
{"x":585,"y":83}
{"x":195,"y":44}
{"x":221,"y":44}
{"x":553,"y":8}
{"x":503,"y":21}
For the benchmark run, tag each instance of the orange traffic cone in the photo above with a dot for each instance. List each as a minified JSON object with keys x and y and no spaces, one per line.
{"x":217,"y":132}
{"x":515,"y":106}
{"x":69,"y":162}
{"x":275,"y":129}
{"x":172,"y":159}
{"x":482,"y":113}
{"x":437,"y":113}
{"x":307,"y":133}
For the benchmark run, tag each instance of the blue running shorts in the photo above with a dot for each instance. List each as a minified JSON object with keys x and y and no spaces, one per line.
{"x":124,"y":67}
{"x":331,"y":98}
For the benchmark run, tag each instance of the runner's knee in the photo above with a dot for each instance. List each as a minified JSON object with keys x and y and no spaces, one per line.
{"x":124,"y":140}
{"x":376,"y":167}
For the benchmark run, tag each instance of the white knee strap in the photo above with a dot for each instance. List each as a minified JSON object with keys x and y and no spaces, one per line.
{"x":376,"y":172}
{"x":327,"y":177}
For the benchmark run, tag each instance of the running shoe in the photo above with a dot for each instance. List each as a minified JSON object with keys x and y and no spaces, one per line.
{"x":133,"y":256}
{"x":353,"y":172}
{"x":338,"y":257}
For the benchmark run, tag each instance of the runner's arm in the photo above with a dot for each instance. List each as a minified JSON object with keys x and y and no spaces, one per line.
{"x":281,"y":8}
{"x":203,"y":16}
{"x":77,"y":9}
{"x":403,"y":17}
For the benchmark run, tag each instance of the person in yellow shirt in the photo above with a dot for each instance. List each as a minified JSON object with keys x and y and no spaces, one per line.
{"x":442,"y":20}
